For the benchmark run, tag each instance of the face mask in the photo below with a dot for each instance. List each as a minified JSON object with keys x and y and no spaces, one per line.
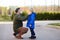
{"x":21,"y":12}
{"x":29,"y":13}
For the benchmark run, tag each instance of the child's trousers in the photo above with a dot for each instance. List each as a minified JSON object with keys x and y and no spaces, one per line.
{"x":32,"y":32}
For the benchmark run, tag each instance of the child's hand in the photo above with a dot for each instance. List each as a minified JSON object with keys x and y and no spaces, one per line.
{"x":30,"y":25}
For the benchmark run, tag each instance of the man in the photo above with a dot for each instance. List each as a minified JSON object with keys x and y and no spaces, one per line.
{"x":18,"y":24}
{"x":31,"y":23}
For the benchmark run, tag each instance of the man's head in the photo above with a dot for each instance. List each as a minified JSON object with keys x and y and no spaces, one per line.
{"x":18,"y":10}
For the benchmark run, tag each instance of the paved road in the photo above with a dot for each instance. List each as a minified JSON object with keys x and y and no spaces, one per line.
{"x":42,"y":32}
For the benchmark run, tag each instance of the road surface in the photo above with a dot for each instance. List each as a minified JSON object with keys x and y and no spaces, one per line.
{"x":42,"y":32}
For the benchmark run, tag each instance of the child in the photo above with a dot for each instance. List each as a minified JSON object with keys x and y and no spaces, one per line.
{"x":31,"y":23}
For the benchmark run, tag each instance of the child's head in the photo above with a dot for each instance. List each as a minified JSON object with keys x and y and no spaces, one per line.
{"x":30,"y":11}
{"x":18,"y":10}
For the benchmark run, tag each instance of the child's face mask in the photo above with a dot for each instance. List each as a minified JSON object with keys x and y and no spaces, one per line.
{"x":29,"y":13}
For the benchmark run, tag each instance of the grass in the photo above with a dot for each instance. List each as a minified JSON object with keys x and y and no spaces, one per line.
{"x":55,"y":24}
{"x":5,"y":18}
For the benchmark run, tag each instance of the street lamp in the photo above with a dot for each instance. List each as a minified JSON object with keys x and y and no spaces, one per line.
{"x":46,"y":5}
{"x":31,"y":4}
{"x":51,"y":5}
{"x":58,"y":5}
{"x":54,"y":5}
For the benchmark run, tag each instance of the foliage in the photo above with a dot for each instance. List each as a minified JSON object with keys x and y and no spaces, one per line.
{"x":48,"y":16}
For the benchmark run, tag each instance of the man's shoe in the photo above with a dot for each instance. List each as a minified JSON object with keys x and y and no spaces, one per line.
{"x":18,"y":37}
{"x":14,"y":34}
{"x":32,"y":37}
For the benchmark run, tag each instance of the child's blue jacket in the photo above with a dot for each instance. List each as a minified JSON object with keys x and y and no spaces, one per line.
{"x":31,"y":20}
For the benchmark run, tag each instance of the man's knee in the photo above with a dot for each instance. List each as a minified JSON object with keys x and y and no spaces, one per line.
{"x":22,"y":30}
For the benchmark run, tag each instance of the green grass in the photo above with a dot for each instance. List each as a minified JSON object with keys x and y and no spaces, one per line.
{"x":5,"y":18}
{"x":55,"y":24}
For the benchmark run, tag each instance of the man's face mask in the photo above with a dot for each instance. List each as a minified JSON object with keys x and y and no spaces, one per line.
{"x":20,"y":11}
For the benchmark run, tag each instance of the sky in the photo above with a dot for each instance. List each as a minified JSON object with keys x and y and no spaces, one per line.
{"x":28,"y":2}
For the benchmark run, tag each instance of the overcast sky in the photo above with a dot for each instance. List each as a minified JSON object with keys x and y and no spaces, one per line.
{"x":28,"y":2}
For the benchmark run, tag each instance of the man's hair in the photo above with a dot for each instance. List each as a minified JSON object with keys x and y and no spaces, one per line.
{"x":17,"y":10}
